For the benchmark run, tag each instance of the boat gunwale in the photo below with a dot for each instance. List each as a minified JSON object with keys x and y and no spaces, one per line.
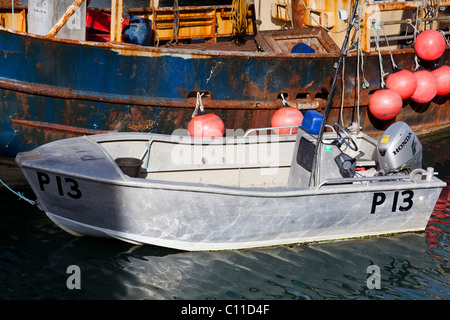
{"x":208,"y":53}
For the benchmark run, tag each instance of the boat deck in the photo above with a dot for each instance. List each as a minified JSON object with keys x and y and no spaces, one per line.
{"x":224,"y":44}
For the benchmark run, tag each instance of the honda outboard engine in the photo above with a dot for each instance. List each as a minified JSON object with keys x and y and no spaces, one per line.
{"x":399,"y":149}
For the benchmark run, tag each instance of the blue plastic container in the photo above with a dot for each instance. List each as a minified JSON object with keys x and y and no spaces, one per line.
{"x":312,"y":121}
{"x":139,"y":31}
{"x":302,"y":48}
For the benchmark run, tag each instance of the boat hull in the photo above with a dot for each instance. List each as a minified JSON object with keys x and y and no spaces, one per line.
{"x":199,"y":216}
{"x":205,"y":223}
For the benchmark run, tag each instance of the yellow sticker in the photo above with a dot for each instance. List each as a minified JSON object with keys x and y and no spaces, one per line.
{"x":385,"y":139}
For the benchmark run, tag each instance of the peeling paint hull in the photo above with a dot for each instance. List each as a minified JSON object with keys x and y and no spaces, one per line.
{"x":52,"y":89}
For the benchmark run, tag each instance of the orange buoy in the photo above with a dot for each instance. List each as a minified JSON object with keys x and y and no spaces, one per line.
{"x":426,"y":87}
{"x":286,"y":116}
{"x":206,"y":125}
{"x":442,"y":76}
{"x":403,"y":82}
{"x":429,"y":45}
{"x":385,"y":104}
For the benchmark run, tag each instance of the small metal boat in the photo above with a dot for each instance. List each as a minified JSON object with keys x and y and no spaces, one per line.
{"x":250,"y":190}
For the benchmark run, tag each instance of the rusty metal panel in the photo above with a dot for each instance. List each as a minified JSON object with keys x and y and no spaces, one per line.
{"x":56,"y":84}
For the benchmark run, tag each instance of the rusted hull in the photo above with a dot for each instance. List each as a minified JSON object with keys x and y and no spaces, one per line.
{"x":53,"y":89}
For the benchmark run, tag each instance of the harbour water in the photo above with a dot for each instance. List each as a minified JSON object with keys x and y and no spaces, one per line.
{"x":40,"y":261}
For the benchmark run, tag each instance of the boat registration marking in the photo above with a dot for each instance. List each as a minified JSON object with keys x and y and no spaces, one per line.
{"x":66,"y":186}
{"x":402,"y":201}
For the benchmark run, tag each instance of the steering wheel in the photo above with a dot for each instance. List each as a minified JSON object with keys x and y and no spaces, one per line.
{"x":347,"y":139}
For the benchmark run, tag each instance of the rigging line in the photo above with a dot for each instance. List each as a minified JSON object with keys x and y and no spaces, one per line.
{"x":360,"y":63}
{"x":376,"y":27}
{"x":154,"y":22}
{"x":394,"y":66}
{"x":416,"y":59}
{"x":343,"y":92}
{"x":176,"y":23}
{"x":314,"y":170}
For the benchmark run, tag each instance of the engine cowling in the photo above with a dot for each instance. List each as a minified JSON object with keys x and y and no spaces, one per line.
{"x":399,"y":149}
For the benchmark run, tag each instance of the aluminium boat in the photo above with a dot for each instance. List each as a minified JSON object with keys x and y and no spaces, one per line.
{"x":248,"y":190}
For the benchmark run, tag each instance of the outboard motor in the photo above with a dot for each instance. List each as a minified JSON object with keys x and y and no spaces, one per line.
{"x":399,"y":149}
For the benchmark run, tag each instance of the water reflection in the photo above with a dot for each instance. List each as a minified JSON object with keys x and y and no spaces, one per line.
{"x":320,"y":271}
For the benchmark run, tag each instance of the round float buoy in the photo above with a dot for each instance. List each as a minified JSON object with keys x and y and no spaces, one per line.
{"x":286,"y":116}
{"x":442,"y":76}
{"x":426,"y":87}
{"x":385,"y":104}
{"x":403,"y":82}
{"x":429,"y":45}
{"x":206,"y":125}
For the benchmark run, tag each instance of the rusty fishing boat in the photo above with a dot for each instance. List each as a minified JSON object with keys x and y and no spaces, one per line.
{"x":69,"y":68}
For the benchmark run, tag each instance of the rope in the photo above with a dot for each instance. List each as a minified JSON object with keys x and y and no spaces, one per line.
{"x":360,"y":64}
{"x":19,"y":194}
{"x":176,"y":23}
{"x":376,"y":27}
{"x":239,"y":9}
{"x":154,"y":22}
{"x":416,"y":59}
{"x":343,"y":92}
{"x":394,"y":66}
{"x":285,"y":103}
{"x":199,"y":104}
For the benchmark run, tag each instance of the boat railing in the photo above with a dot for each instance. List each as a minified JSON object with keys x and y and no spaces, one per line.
{"x":429,"y":173}
{"x":260,"y":130}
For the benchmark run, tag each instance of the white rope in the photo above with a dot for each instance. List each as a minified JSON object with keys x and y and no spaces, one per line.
{"x":444,"y":35}
{"x":285,"y":103}
{"x":416,"y":58}
{"x":376,"y":27}
{"x":394,"y":66}
{"x":343,"y":91}
{"x":199,"y":104}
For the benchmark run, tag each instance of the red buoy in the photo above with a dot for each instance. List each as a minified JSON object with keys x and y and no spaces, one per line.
{"x":426,"y":87}
{"x":442,"y":76}
{"x":385,"y":104}
{"x":430,"y":45}
{"x":286,"y":116}
{"x":403,"y":82}
{"x":206,"y":125}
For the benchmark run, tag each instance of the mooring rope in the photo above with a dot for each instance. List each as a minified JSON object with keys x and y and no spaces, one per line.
{"x":19,"y":194}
